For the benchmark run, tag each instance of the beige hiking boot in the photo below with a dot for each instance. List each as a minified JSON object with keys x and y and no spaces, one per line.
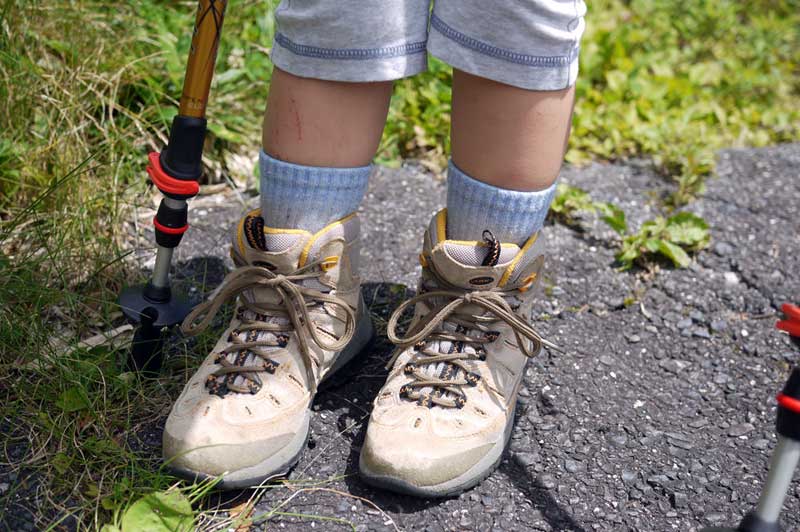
{"x":444,"y":416}
{"x":299,"y":317}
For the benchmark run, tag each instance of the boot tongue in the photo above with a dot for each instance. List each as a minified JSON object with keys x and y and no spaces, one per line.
{"x":473,"y":265}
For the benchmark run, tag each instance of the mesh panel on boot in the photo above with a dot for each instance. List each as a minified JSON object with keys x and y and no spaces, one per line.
{"x":474,"y":255}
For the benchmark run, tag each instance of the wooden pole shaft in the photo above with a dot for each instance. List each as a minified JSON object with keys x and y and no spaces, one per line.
{"x":202,"y":57}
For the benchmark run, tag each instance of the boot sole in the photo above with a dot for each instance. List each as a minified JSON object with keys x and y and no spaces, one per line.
{"x":278,"y":464}
{"x":471,"y":478}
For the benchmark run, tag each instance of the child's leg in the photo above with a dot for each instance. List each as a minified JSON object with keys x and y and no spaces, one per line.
{"x":509,"y":137}
{"x":328,"y":102}
{"x":512,"y":100}
{"x":319,"y":138}
{"x":445,"y":414}
{"x":245,"y":414}
{"x":508,"y":144}
{"x":316,"y":122}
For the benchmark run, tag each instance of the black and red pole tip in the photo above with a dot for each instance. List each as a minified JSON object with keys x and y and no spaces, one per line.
{"x":791,"y":323}
{"x":788,"y":424}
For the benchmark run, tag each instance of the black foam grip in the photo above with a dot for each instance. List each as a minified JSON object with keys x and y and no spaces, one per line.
{"x":753,"y":523}
{"x":182,"y":157}
{"x":788,"y":422}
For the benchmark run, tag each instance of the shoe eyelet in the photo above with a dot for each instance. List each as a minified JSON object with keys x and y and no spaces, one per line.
{"x":405,"y":391}
{"x":409,"y":368}
{"x":460,"y":402}
{"x":283,"y":340}
{"x":214,"y":387}
{"x":270,"y":366}
{"x":425,"y":400}
{"x":472,"y":379}
{"x":491,"y":336}
{"x":419,"y":345}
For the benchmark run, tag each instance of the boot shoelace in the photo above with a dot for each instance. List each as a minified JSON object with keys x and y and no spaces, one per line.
{"x":293,"y":306}
{"x":447,"y":307}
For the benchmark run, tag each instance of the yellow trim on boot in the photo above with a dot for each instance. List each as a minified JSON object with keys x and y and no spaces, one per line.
{"x":310,"y":243}
{"x":441,"y":233}
{"x":507,"y":274}
{"x":240,"y":229}
{"x":441,"y":226}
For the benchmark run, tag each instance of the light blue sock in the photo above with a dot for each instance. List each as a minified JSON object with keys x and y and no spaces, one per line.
{"x":511,"y":215}
{"x":308,"y":197}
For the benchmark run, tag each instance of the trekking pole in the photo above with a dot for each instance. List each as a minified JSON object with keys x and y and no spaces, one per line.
{"x":786,"y":456}
{"x":175,"y":172}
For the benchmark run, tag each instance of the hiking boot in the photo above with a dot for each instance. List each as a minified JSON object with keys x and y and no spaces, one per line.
{"x":441,"y":421}
{"x":299,"y":317}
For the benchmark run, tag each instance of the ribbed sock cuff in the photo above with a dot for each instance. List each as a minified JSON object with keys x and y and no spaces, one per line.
{"x":308,"y":197}
{"x":511,"y":215}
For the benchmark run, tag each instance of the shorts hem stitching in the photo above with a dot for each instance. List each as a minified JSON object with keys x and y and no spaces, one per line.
{"x":500,"y":53}
{"x":350,"y":53}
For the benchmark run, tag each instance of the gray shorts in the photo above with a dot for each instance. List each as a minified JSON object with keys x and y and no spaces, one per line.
{"x":532,"y":44}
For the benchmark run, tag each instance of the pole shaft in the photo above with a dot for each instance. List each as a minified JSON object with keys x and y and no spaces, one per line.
{"x":784,"y":461}
{"x":202,"y":57}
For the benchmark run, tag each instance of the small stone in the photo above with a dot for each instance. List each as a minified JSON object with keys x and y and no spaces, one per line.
{"x":731,"y":278}
{"x":618,"y":440}
{"x":546,"y":481}
{"x":723,"y":249}
{"x":572,"y":466}
{"x":719,"y":325}
{"x":4,"y":487}
{"x":684,"y":323}
{"x":701,"y":332}
{"x":526,"y":459}
{"x":628,"y":476}
{"x":673,"y":365}
{"x":715,"y":517}
{"x":657,"y":480}
{"x":740,"y":430}
{"x":697,"y":316}
{"x":615,"y":302}
{"x":682,"y":444}
{"x":606,"y":360}
{"x":721,"y":378}
{"x":760,"y":444}
{"x":679,"y":500}
{"x":634,"y":338}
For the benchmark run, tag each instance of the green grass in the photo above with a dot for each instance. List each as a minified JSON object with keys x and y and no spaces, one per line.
{"x":87,"y":88}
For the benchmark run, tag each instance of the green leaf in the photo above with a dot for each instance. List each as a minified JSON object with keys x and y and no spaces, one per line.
{"x":160,"y":511}
{"x":72,"y":400}
{"x":653,"y":245}
{"x":675,"y":253}
{"x":687,"y":229}
{"x":570,"y":200}
{"x":613,"y":216}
